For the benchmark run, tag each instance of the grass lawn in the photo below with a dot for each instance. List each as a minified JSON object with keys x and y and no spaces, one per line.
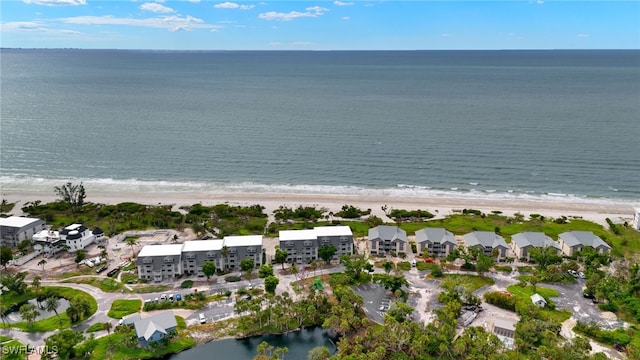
{"x":523,"y":294}
{"x":129,"y":278}
{"x":150,"y":289}
{"x":423,"y":265}
{"x":9,"y":298}
{"x":404,"y":265}
{"x":12,"y":349}
{"x":469,"y":282}
{"x":85,"y":270}
{"x":104,"y":284}
{"x":124,"y":307}
{"x":96,"y":327}
{"x":53,"y":322}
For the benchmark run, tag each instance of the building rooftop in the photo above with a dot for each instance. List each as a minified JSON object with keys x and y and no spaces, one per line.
{"x":17,"y":221}
{"x":333,"y":231}
{"x":388,"y":233}
{"x":245,"y":240}
{"x":503,"y":323}
{"x":435,"y":235}
{"x":535,"y":239}
{"x":158,"y":322}
{"x":291,"y":235}
{"x":160,"y":250}
{"x":203,"y":245}
{"x":46,"y":235}
{"x":484,"y":239}
{"x":584,"y":238}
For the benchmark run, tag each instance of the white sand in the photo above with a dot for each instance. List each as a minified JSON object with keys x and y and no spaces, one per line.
{"x":596,"y":212}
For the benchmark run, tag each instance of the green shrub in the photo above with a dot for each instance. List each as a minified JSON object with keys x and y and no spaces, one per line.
{"x":404,"y":265}
{"x":500,"y":300}
{"x":232,"y":278}
{"x":436,"y":272}
{"x":187,"y":284}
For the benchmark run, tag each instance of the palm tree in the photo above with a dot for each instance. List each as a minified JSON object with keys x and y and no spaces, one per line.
{"x":225,"y":253}
{"x":108,"y":326}
{"x":51,"y":304}
{"x":36,"y":284}
{"x":3,"y":311}
{"x":131,"y":241}
{"x":42,"y":263}
{"x":29,"y":313}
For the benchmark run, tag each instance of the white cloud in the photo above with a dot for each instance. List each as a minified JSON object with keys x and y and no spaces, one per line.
{"x":34,"y":26}
{"x":583,"y":35}
{"x":313,"y":11}
{"x":156,"y":8}
{"x":56,"y":2}
{"x":342,"y":3}
{"x":231,"y":5}
{"x":171,"y":23}
{"x":345,"y":18}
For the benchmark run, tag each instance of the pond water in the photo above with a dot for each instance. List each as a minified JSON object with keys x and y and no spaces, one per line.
{"x":14,"y":316}
{"x":298,"y":342}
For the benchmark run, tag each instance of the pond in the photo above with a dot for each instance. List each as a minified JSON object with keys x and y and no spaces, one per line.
{"x":14,"y":316}
{"x":298,"y":342}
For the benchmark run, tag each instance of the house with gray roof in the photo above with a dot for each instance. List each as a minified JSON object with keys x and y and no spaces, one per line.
{"x":384,"y":239}
{"x":538,"y":300}
{"x":14,"y":229}
{"x":438,"y":241}
{"x":572,"y":242}
{"x":523,"y":242}
{"x":487,"y":241}
{"x":155,"y":328}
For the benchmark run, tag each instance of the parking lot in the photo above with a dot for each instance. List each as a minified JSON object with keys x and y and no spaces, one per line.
{"x":375,"y":298}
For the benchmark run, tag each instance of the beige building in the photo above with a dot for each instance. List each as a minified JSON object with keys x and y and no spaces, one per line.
{"x":571,"y":242}
{"x":523,"y":242}
{"x":385,"y":239}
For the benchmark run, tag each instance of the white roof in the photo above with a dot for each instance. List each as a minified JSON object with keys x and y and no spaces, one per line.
{"x":537,"y":298}
{"x":17,"y":221}
{"x":203,"y":245}
{"x":333,"y":230}
{"x":503,"y":323}
{"x":292,"y":235}
{"x":246,"y":240}
{"x":73,"y":226}
{"x":45,"y":235}
{"x":160,"y":250}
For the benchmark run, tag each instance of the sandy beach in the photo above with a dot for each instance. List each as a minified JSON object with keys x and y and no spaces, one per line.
{"x":593,"y":211}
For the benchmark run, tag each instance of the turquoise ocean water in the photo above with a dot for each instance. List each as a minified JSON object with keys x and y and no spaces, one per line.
{"x":509,"y":124}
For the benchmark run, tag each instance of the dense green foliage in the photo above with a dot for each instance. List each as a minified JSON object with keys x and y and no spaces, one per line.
{"x":227,"y":219}
{"x":301,"y":213}
{"x":410,"y":215}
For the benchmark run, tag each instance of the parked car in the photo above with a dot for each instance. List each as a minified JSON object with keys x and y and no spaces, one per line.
{"x":163,"y":297}
{"x":203,"y":319}
{"x":587,"y":295}
{"x":581,"y":275}
{"x":178,"y":297}
{"x":170,"y":297}
{"x":101,"y":269}
{"x":112,"y":272}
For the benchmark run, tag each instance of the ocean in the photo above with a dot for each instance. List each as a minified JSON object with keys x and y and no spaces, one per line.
{"x":483,"y":124}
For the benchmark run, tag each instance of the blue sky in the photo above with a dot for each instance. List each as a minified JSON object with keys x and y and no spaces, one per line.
{"x":320,"y":25}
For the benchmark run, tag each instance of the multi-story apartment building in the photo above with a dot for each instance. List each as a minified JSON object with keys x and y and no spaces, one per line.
{"x":14,"y":229}
{"x":240,"y":248}
{"x":195,"y":253}
{"x":163,"y":262}
{"x":160,"y":262}
{"x":384,"y":239}
{"x":302,"y":245}
{"x":438,"y":241}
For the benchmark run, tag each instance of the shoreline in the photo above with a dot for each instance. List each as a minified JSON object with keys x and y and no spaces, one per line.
{"x":440,"y":206}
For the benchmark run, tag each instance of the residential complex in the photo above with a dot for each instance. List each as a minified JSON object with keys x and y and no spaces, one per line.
{"x":155,"y":328}
{"x":165,"y":262}
{"x":302,"y":245}
{"x":523,"y":242}
{"x":14,"y":229}
{"x":488,"y":242}
{"x":573,"y":241}
{"x":438,"y":241}
{"x":385,"y":239}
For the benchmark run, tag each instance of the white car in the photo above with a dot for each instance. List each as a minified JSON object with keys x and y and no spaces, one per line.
{"x":163,"y":297}
{"x":581,"y":274}
{"x":202,"y":318}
